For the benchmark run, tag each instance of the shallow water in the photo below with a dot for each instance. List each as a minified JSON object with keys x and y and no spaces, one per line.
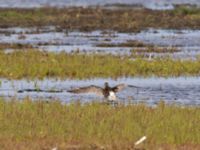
{"x":49,"y":39}
{"x":182,"y":90}
{"x":153,"y":4}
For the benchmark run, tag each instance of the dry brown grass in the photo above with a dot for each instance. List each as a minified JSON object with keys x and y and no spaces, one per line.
{"x":85,"y":19}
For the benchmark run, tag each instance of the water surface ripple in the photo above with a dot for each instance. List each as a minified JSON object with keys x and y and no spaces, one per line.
{"x":182,"y":90}
{"x":48,"y":39}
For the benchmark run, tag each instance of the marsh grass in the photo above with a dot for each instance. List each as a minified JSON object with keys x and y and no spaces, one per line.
{"x":88,"y":19}
{"x":37,"y":124}
{"x":129,"y":43}
{"x":36,"y":64}
{"x":187,"y":10}
{"x":154,"y":49}
{"x":18,"y":46}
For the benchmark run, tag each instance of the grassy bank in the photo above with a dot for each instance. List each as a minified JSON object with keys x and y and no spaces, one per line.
{"x":36,"y":64}
{"x":39,"y":125}
{"x":97,"y":19}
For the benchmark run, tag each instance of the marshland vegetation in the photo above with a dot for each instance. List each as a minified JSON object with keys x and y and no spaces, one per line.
{"x":31,"y":63}
{"x":88,"y":19}
{"x":41,"y":124}
{"x":38,"y":124}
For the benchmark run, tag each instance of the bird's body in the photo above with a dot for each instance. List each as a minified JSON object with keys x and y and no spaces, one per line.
{"x":112,"y":96}
{"x":108,"y":92}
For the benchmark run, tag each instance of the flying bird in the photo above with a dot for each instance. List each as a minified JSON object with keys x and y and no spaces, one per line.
{"x":108,"y":92}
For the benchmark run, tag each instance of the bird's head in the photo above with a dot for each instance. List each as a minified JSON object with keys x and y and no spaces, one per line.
{"x":106,"y":84}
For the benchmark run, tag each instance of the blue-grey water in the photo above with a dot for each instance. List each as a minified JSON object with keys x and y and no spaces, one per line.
{"x":153,"y":4}
{"x":181,"y":90}
{"x":48,"y":39}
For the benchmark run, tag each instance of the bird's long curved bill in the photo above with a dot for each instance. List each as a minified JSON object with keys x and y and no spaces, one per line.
{"x":133,"y":86}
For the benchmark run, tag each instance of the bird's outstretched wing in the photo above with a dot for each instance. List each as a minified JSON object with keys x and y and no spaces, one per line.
{"x":120,"y":87}
{"x":88,"y":89}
